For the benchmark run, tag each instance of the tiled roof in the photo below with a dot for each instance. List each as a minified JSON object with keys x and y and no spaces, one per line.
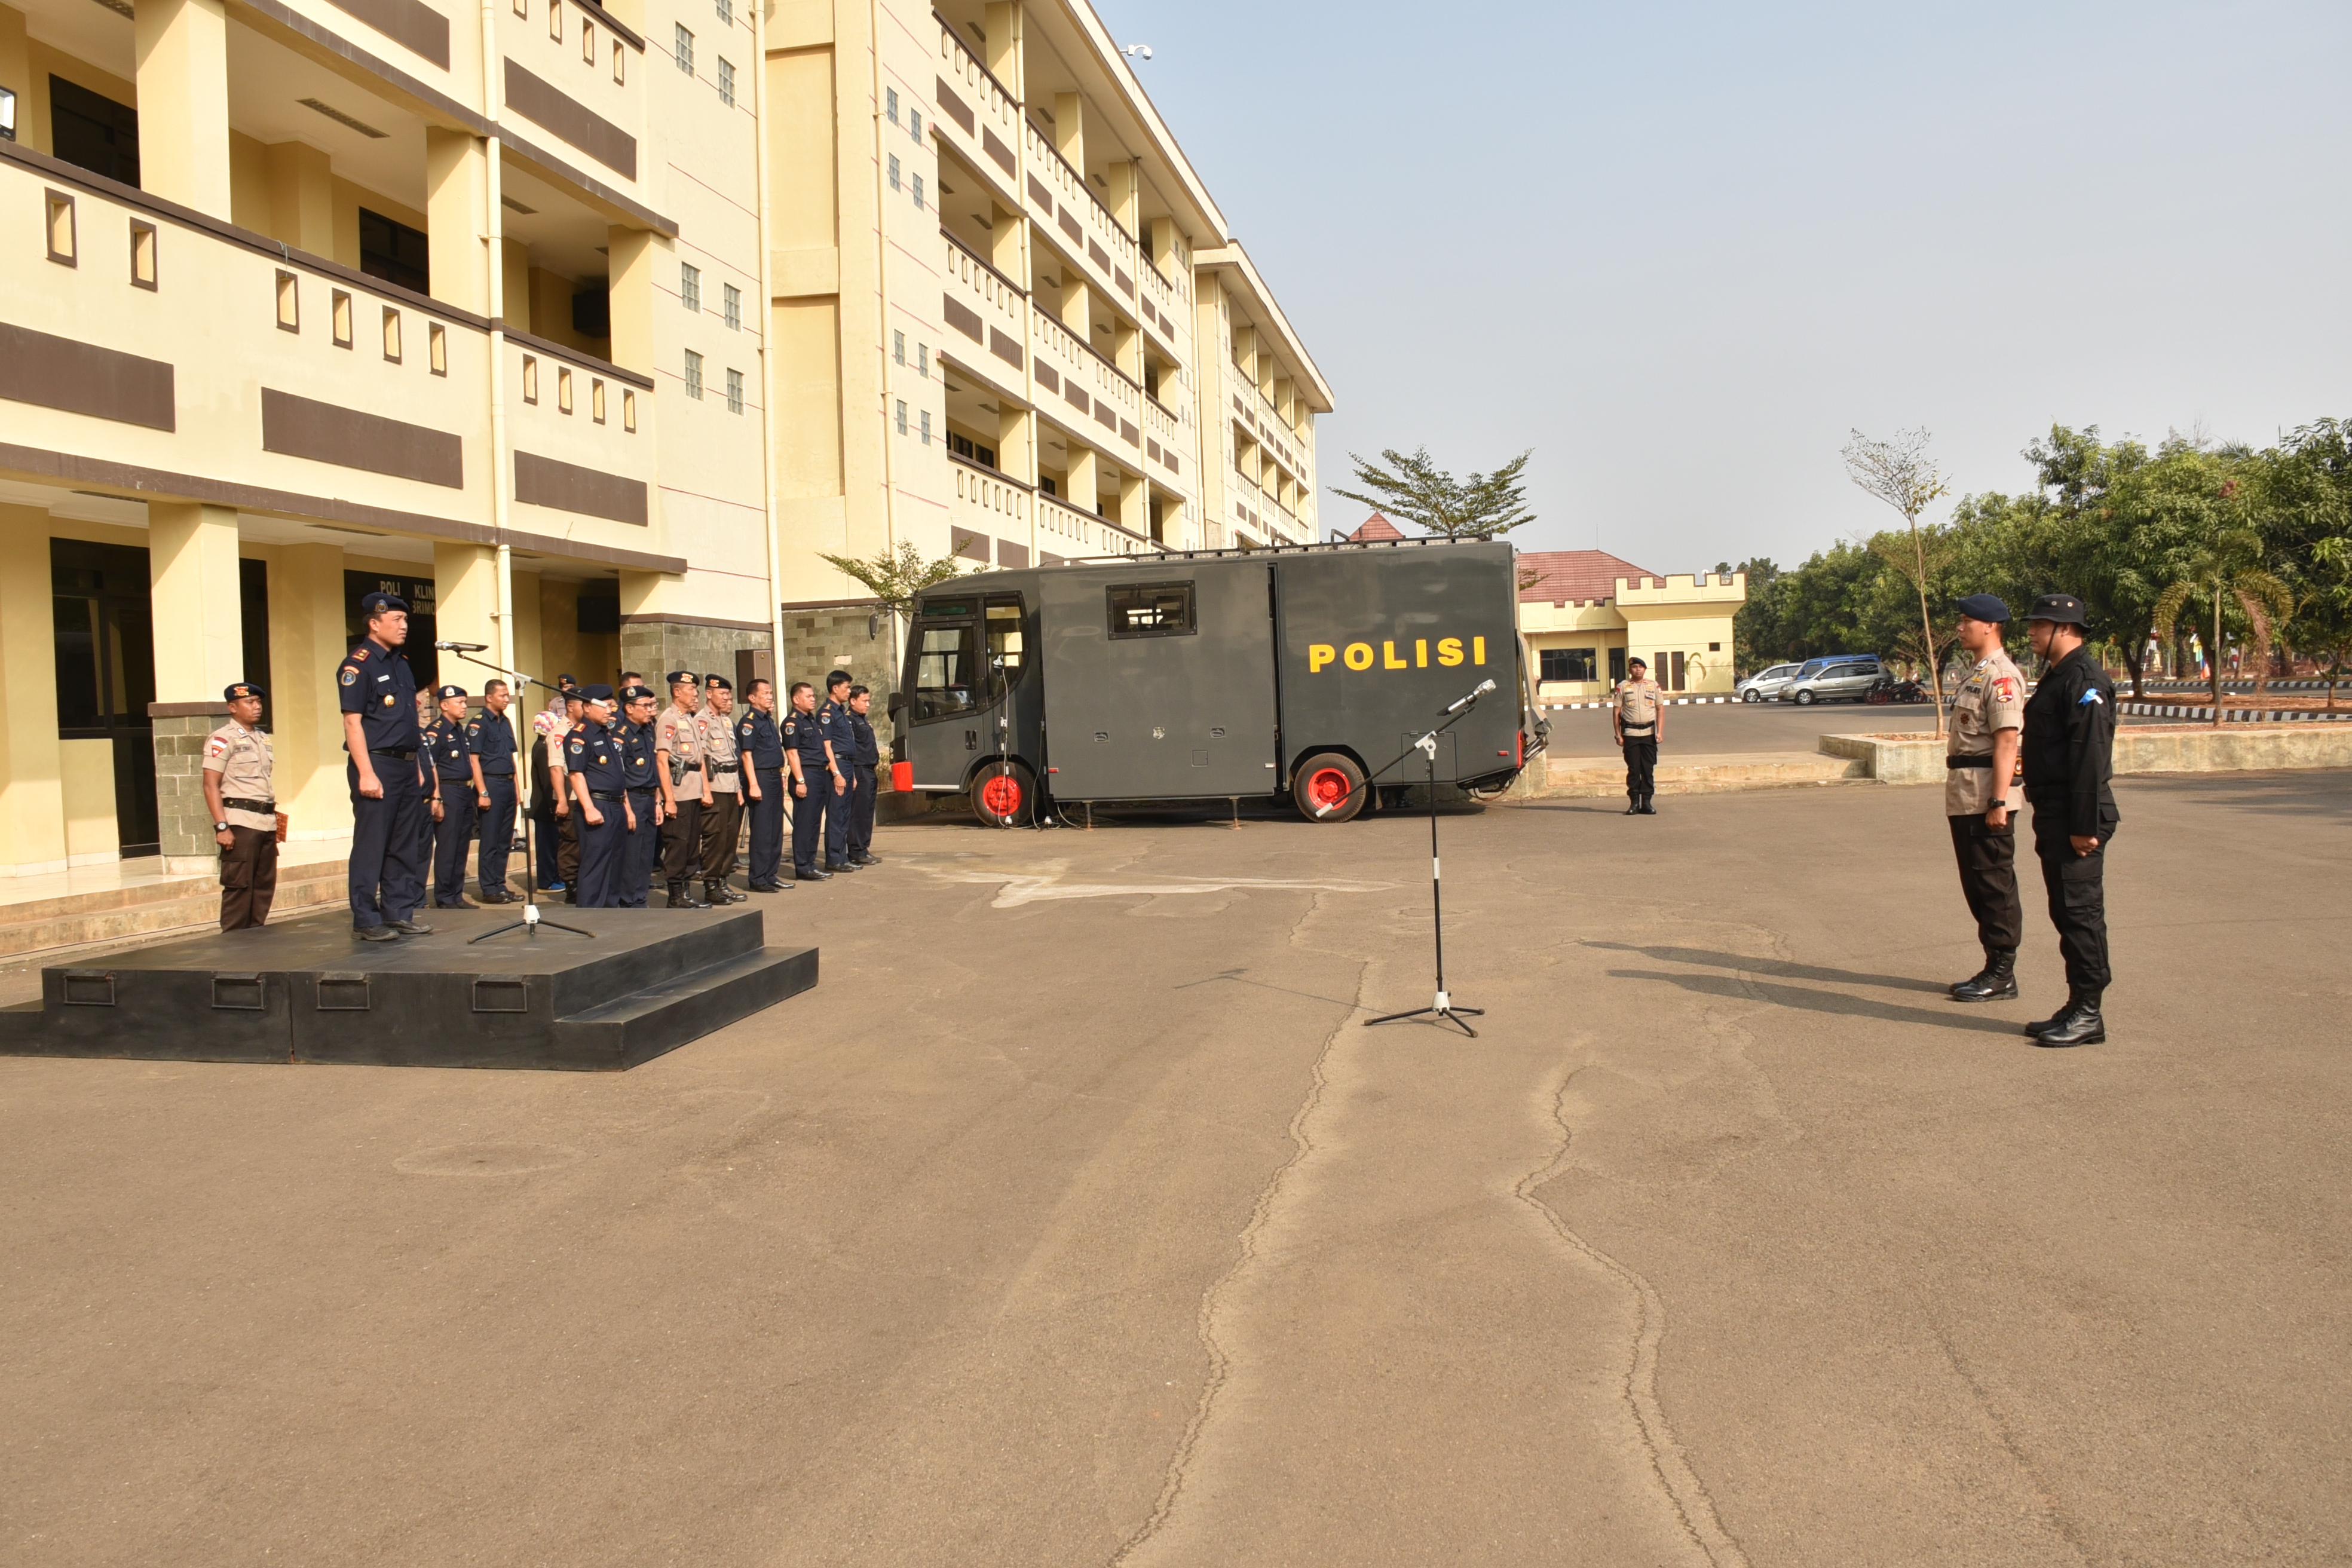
{"x":1568,"y":577}
{"x":1377,"y":527}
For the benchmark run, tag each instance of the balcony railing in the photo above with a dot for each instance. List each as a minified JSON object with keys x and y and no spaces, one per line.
{"x":1077,"y":220}
{"x":582,"y":433}
{"x":977,"y":115}
{"x":987,"y":307}
{"x":1086,"y":390}
{"x":1086,"y":533}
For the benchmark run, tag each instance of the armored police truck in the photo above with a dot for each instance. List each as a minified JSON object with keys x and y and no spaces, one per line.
{"x":1295,"y":673}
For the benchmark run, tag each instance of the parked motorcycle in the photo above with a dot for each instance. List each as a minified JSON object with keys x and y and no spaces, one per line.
{"x":1890,"y":689}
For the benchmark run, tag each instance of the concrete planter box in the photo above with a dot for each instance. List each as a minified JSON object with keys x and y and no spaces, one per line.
{"x":2232,"y":748}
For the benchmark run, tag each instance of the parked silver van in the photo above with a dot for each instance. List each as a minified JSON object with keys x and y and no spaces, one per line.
{"x":1765,"y":684}
{"x":1844,"y":680}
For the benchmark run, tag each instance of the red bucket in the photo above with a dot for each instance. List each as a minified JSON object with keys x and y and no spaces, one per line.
{"x":902,"y":777}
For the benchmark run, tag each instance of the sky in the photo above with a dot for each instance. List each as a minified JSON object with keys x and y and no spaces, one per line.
{"x":1681,"y":251}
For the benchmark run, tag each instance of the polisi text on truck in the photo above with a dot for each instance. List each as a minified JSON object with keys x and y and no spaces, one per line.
{"x":1359,"y":656}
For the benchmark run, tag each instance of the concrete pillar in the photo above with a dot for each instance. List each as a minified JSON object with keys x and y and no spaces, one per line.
{"x":198,"y":595}
{"x":1008,"y":244}
{"x":1078,"y":312}
{"x":514,"y":298}
{"x":1004,"y":23}
{"x":32,"y":792}
{"x":182,"y":48}
{"x":15,"y":71}
{"x":1085,"y":478}
{"x":1126,"y":202}
{"x":1126,"y":349}
{"x":466,"y":608}
{"x":456,"y":186}
{"x":306,"y":640}
{"x":1070,"y":130}
{"x":1016,"y":445}
{"x":1133,"y":509}
{"x":301,"y":198}
{"x":633,"y":253}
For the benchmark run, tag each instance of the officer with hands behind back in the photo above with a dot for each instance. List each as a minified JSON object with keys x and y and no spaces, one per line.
{"x":760,"y":746}
{"x":809,"y":756}
{"x":592,"y":758}
{"x":686,"y":788}
{"x":2069,"y":748}
{"x":492,"y":736}
{"x":1638,"y":719}
{"x":840,"y":752}
{"x":1981,"y":796}
{"x":244,"y":802}
{"x":865,"y":758}
{"x":459,"y":795}
{"x":378,"y":693}
{"x":644,"y":815}
{"x":723,"y":819}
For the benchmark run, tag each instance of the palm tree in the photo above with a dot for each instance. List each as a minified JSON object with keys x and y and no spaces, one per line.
{"x":2226,"y":567}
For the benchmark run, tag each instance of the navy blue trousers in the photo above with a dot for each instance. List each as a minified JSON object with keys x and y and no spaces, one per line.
{"x":387,"y":866}
{"x":639,"y":853}
{"x":767,"y":826}
{"x":545,"y":838}
{"x":450,"y":836}
{"x":600,"y":847}
{"x":809,"y":821}
{"x":498,"y":832}
{"x":862,"y":790}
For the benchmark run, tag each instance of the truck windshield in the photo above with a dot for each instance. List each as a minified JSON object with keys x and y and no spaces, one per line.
{"x":966,"y":655}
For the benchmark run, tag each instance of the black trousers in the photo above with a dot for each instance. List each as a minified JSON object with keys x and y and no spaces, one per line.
{"x":682,"y":840}
{"x":498,"y":832}
{"x":768,"y":827}
{"x":639,"y":847}
{"x":861,"y":787}
{"x":722,"y":823}
{"x":1640,"y":766}
{"x":1987,"y":859}
{"x":567,"y":848}
{"x":809,"y":820}
{"x":2077,"y":886}
{"x":248,"y":873}
{"x":450,"y":836}
{"x":602,"y":844}
{"x":386,"y":876}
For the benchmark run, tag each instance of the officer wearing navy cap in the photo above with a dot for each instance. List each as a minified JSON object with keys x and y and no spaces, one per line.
{"x":643,"y":818}
{"x":1981,"y":796}
{"x":237,"y":764}
{"x":378,"y":692}
{"x":492,"y":736}
{"x":593,"y":765}
{"x":2069,"y":753}
{"x":841,"y":751}
{"x":761,"y":747}
{"x":459,"y":794}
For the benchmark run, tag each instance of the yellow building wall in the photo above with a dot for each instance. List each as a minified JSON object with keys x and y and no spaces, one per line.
{"x":88,"y":771}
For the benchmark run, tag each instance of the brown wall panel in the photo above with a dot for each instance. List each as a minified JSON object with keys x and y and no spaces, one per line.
{"x":1004,"y":348}
{"x":82,"y":378}
{"x":567,"y":486}
{"x":300,"y":427}
{"x":409,"y":23}
{"x":572,"y":121}
{"x":961,"y":317}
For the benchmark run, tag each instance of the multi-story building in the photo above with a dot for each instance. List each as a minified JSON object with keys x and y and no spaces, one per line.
{"x":303,"y":297}
{"x":1011,"y":324}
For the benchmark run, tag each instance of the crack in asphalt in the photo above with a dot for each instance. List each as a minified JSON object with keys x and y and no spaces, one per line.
{"x":2050,"y":1512}
{"x":1213,"y":1300}
{"x":1688,"y":1494}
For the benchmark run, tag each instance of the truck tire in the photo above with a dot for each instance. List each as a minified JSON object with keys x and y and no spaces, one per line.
{"x":1004,"y":796}
{"x":1325,"y":778}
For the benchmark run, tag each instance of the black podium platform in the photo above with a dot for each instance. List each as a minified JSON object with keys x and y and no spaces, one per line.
{"x":647,"y":982}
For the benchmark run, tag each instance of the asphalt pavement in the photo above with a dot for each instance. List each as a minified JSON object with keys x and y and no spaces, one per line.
{"x":1078,"y":1218}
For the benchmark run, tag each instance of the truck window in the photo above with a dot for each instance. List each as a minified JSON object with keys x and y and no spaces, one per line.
{"x":1005,"y":646}
{"x":1152,"y":610}
{"x":947,"y":663}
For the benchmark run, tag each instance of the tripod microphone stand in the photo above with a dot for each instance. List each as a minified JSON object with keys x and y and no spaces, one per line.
{"x":532,"y":919}
{"x":1443,"y":1010}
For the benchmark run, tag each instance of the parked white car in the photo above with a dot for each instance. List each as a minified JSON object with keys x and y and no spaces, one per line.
{"x":1765,"y":684}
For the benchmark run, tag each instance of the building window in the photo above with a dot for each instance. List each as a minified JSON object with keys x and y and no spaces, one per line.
{"x":726,"y":82}
{"x":93,"y":131}
{"x":926,"y":428}
{"x":902,"y":416}
{"x":899,"y":351}
{"x":919,"y":193}
{"x":726,"y":9}
{"x":684,"y":48}
{"x":734,"y":392}
{"x":890,"y":104}
{"x":1616,"y":665}
{"x":1714,"y":647}
{"x":689,"y":287}
{"x":915,"y":123}
{"x":394,"y":252}
{"x":1569,"y":663}
{"x":731,"y":297}
{"x":1046,"y":484}
{"x":894,"y":171}
{"x":142,"y":254}
{"x":971,"y":450}
{"x":693,"y":375}
{"x":923,"y":361}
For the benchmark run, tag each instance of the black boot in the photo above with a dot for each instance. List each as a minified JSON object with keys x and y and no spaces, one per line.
{"x":681,"y":896}
{"x":1997,"y":981}
{"x":715,"y":891}
{"x":1632,"y":805}
{"x":2079,"y":1024}
{"x":1649,"y":806}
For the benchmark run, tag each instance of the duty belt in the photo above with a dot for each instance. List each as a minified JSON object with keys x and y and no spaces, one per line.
{"x":248,"y":804}
{"x":1643,"y":729}
{"x":1951,"y":763}
{"x":721,"y":767}
{"x":402,"y":754}
{"x":604,"y":795}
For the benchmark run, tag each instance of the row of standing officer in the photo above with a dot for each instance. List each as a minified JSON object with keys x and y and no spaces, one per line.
{"x":2053,"y":751}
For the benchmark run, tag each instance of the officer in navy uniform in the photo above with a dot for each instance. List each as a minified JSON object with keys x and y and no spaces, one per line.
{"x":591,"y":764}
{"x":378,"y":692}
{"x":761,"y":747}
{"x":458,"y":797}
{"x":644,"y":817}
{"x":2068,"y":751}
{"x":865,"y":761}
{"x":840,"y":749}
{"x":809,"y":756}
{"x":492,"y":736}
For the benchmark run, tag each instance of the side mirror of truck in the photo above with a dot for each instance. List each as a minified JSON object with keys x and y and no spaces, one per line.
{"x":898,"y":703}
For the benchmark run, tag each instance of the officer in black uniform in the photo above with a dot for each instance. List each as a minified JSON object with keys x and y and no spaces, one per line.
{"x":492,"y":736}
{"x":592,"y":762}
{"x":809,"y":756}
{"x":457,"y":796}
{"x":644,"y":815}
{"x":2069,"y":755}
{"x":866,"y":760}
{"x":841,"y":749}
{"x":378,"y":692}
{"x":761,"y":747}
{"x":566,"y":808}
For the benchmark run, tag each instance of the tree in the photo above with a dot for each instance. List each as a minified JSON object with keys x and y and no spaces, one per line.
{"x":1414,"y":489}
{"x":2324,"y":616}
{"x":2226,"y":566}
{"x":1900,"y":472}
{"x":895,"y":577}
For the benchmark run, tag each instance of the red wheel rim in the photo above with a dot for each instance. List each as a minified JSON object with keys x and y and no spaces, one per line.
{"x":1326,"y":788}
{"x":1002,"y":796}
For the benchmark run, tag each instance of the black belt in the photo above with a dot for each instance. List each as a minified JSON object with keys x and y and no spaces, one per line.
{"x":604,"y":795}
{"x":721,"y":767}
{"x":1952,"y":763}
{"x":264,"y":805}
{"x":1641,"y":728}
{"x":488,"y":774}
{"x":404,"y":756}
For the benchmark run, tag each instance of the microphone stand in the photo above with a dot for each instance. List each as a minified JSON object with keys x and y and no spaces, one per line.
{"x":1443,"y":1010}
{"x":532,"y":919}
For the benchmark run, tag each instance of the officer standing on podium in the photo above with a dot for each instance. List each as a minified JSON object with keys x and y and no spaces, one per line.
{"x":492,"y":736}
{"x":761,"y":748}
{"x":677,"y":739}
{"x":458,"y":797}
{"x":378,"y":692}
{"x":644,"y":817}
{"x":591,"y":764}
{"x":723,"y":819}
{"x":813,"y":772}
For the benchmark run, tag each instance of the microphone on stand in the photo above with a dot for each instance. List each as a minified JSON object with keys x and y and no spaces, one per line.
{"x":1477,"y":691}
{"x":484,"y":647}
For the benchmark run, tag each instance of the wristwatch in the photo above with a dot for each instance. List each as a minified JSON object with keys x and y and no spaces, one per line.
{"x":220,"y":828}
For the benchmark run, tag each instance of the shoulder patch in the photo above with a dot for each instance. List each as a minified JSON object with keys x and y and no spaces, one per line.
{"x":360,"y":653}
{"x":350,"y":677}
{"x":2004,"y":689}
{"x":216,"y":747}
{"x":2093,"y":696}
{"x":579,"y":746}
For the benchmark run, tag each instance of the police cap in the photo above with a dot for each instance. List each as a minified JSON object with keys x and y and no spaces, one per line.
{"x":1637,"y":662}
{"x":1983,"y":607}
{"x":718,"y":683}
{"x":680,"y":678}
{"x":374,"y":605}
{"x":2058,"y":609}
{"x":236,"y":689}
{"x":637,"y":694}
{"x":597,"y":694}
{"x":446,"y":692}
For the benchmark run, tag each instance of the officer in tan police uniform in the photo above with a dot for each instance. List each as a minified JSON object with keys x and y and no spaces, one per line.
{"x":1983,"y":791}
{"x":685,"y":788}
{"x":723,"y":819}
{"x":1637,"y":717}
{"x":237,"y":787}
